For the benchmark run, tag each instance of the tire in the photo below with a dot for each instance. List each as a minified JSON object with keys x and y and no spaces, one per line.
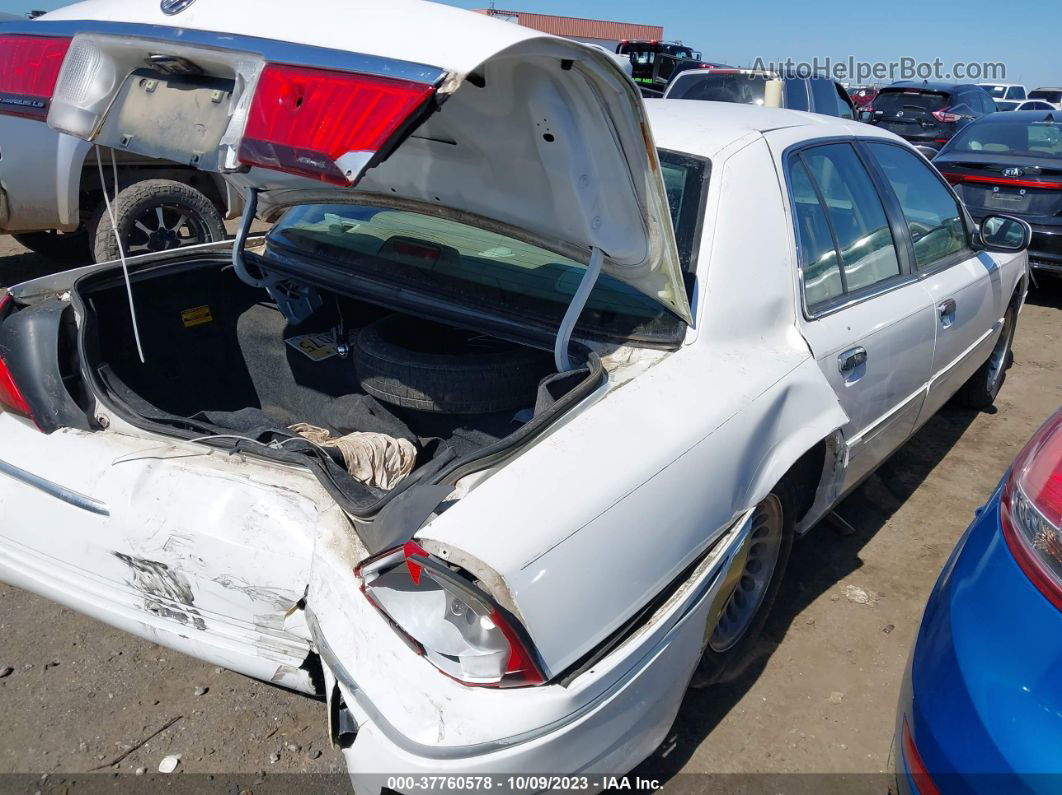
{"x":172,"y":213}
{"x":433,"y":368}
{"x":981,"y":390}
{"x":66,"y":247}
{"x":730,"y":646}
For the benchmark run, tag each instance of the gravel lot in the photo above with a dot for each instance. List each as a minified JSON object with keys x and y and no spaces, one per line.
{"x":821,"y":700}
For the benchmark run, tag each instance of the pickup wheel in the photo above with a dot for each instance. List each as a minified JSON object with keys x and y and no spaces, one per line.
{"x":156,"y":215}
{"x":67,"y":247}
{"x":981,"y":390}
{"x":750,"y":585}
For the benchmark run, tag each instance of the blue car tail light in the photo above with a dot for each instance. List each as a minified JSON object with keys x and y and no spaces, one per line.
{"x":1031,"y":510}
{"x":916,"y":768}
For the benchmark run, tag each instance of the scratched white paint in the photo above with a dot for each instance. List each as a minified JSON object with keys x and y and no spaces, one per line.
{"x":580,"y":530}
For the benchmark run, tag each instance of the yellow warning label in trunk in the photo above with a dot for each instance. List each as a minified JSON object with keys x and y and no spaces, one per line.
{"x":196,"y":316}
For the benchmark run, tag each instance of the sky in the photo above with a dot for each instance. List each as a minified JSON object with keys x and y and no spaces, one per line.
{"x":740,"y":32}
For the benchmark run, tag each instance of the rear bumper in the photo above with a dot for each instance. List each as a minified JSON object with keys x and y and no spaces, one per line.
{"x":610,"y":737}
{"x":981,"y":695}
{"x":414,"y":721}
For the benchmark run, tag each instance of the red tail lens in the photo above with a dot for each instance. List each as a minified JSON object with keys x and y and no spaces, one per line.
{"x":916,"y":768}
{"x":29,"y":67}
{"x":1031,"y":510}
{"x":323,"y":124}
{"x":943,"y":116}
{"x":10,"y":397}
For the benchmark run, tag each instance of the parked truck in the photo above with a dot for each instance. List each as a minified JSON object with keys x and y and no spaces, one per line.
{"x":655,"y":63}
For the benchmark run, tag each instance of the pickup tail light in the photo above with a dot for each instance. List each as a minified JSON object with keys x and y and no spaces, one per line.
{"x":1031,"y":510}
{"x":29,"y":68}
{"x":10,"y":397}
{"x":448,"y":620}
{"x":944,"y":117}
{"x":324,"y":124}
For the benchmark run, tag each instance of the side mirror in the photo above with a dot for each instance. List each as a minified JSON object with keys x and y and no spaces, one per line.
{"x":866,"y":115}
{"x":1004,"y":233}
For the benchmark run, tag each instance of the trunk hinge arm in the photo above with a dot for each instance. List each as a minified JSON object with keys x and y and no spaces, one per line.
{"x":575,"y":308}
{"x":250,"y":208}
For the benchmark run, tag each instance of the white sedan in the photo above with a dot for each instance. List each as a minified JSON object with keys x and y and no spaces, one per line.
{"x":504,"y":432}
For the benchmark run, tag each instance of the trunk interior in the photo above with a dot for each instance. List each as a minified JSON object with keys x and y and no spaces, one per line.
{"x":221,"y":358}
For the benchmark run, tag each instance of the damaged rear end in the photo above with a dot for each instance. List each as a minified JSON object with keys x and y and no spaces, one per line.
{"x":469,"y":217}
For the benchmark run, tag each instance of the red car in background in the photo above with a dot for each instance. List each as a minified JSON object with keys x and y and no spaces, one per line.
{"x":862,"y":96}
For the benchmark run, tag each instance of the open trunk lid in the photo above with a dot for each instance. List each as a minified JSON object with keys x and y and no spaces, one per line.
{"x":401,"y":98}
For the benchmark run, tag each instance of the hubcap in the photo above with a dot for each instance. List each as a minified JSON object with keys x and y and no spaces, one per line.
{"x":162,"y":228}
{"x":748,"y":577}
{"x":997,"y":362}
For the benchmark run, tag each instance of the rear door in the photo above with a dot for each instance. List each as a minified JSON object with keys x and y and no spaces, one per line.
{"x":867,"y":320}
{"x":965,"y":288}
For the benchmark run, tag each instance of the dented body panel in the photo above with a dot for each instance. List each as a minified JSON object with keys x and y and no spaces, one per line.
{"x":194,"y":550}
{"x":608,"y":536}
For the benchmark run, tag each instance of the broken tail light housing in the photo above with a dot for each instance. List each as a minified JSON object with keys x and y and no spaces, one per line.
{"x":29,"y":68}
{"x":10,"y":397}
{"x":324,"y":124}
{"x":448,"y":620}
{"x":1031,"y":510}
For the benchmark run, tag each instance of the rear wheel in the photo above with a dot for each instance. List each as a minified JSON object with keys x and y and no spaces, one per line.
{"x":981,"y":390}
{"x":157,"y":215}
{"x":750,"y":585}
{"x":68,"y":247}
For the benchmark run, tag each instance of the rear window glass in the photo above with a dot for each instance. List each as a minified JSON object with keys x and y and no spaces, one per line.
{"x":743,"y":89}
{"x":1010,"y":136}
{"x":1048,"y":96}
{"x":892,"y":103}
{"x":996,"y":92}
{"x":475,"y":267}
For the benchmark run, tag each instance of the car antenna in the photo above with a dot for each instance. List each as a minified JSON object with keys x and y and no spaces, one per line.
{"x":118,"y":240}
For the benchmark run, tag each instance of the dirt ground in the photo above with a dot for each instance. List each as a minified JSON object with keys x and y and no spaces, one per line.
{"x":821,"y":700}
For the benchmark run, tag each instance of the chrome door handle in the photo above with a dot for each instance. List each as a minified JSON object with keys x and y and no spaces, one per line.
{"x":946,"y":310}
{"x":852,"y":359}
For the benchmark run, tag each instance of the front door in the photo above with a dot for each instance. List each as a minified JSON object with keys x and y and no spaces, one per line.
{"x":964,"y":287}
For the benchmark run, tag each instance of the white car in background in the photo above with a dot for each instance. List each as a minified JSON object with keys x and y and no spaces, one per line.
{"x":1028,"y":104}
{"x":637,"y":347}
{"x":1052,"y":96}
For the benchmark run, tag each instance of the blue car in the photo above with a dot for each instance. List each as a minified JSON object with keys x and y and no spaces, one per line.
{"x":981,"y":707}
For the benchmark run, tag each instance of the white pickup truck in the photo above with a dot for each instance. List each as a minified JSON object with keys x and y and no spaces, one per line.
{"x":51,"y":197}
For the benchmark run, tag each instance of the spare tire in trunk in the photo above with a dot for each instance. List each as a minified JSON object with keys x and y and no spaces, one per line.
{"x":426,"y":366}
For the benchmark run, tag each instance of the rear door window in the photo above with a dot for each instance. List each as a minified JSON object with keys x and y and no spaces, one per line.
{"x":796,"y":94}
{"x":837,"y":206}
{"x":932,"y":212}
{"x":826,"y":97}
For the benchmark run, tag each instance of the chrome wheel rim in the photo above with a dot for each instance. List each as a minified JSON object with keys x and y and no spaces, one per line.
{"x":164,"y":227}
{"x":748,"y":578}
{"x":997,"y":362}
